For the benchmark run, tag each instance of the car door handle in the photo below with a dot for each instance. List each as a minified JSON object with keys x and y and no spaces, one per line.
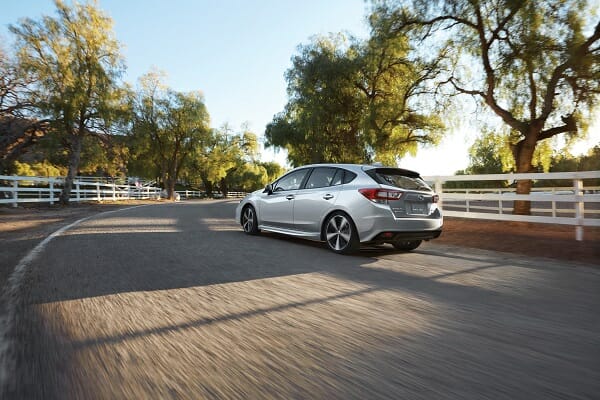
{"x":328,"y":196}
{"x":290,"y":197}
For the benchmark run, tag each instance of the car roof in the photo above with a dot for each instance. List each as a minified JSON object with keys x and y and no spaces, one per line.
{"x":363,"y":167}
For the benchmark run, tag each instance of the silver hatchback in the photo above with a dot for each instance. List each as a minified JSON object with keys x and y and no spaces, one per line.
{"x":346,"y":206}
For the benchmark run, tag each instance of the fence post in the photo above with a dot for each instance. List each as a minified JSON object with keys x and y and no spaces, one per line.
{"x":500,"y":207}
{"x":467,"y":199}
{"x":98,"y":191}
{"x":51,"y":182}
{"x":15,"y":193}
{"x":114,"y":188}
{"x":553,"y":203}
{"x":579,"y":211}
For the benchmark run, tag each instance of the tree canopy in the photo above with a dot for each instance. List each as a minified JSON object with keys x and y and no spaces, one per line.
{"x":167,"y":127}
{"x":355,"y":101}
{"x":76,"y":62}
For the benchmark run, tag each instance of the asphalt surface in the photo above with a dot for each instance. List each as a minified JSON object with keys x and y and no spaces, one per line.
{"x":175,"y":301}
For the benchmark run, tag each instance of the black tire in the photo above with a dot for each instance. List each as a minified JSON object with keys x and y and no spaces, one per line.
{"x":340,"y":233}
{"x":407,"y":245}
{"x":249,"y":221}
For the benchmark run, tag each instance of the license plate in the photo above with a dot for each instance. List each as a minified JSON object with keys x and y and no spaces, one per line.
{"x":417,"y":209}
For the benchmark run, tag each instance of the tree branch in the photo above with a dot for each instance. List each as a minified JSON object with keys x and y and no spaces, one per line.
{"x":559,"y":71}
{"x":569,"y":126}
{"x":503,"y":23}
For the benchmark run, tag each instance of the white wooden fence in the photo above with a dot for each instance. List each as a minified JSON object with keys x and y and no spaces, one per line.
{"x":28,"y":189}
{"x":575,"y":204}
{"x":33,"y":189}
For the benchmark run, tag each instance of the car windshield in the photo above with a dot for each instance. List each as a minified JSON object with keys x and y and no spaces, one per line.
{"x":398,"y":178}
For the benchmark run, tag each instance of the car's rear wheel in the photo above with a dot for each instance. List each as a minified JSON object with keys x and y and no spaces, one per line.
{"x":407,"y":245}
{"x":340,"y":234}
{"x":249,"y":221}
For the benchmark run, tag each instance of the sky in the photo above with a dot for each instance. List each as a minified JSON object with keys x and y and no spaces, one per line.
{"x":236,"y":53}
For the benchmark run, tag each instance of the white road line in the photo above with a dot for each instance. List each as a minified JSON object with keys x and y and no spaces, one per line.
{"x":10,"y":296}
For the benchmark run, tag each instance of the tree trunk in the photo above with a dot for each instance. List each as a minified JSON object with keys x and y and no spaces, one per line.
{"x":523,"y":154}
{"x":208,"y":186}
{"x":74,"y":157}
{"x":171,"y":188}
{"x":224,"y":188}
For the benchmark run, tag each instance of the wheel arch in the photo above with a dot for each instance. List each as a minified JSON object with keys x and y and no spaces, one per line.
{"x":248,"y":204}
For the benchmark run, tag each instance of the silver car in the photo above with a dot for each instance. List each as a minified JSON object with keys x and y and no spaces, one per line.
{"x":346,"y":206}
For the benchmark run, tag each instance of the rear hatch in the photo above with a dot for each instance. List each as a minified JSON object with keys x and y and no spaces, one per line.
{"x":416,"y":196}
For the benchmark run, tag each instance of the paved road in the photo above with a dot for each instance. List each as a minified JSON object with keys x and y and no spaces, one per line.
{"x":174,"y":301}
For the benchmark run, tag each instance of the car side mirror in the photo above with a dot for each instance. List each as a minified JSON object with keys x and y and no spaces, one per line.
{"x":268,"y":189}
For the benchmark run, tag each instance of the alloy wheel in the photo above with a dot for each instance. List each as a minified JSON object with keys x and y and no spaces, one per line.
{"x":248,"y":220}
{"x":338,"y":232}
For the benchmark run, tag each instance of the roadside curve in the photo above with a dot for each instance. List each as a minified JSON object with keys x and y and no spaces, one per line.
{"x":10,"y":296}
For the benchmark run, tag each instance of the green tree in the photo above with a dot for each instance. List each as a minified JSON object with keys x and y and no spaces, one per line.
{"x":274,"y":170}
{"x":166,"y":126}
{"x":491,"y":154}
{"x":354,"y":101}
{"x":76,"y":63}
{"x":227,"y":160}
{"x":244,"y":172}
{"x":321,"y":121}
{"x":397,"y":84}
{"x":487,"y":155}
{"x":565,"y":162}
{"x":187,"y":120}
{"x":535,"y":64}
{"x":591,"y":161}
{"x":19,"y":131}
{"x":214,"y":156}
{"x":248,"y":177}
{"x":144,"y":158}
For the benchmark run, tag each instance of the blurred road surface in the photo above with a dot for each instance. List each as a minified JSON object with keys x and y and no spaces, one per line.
{"x":175,"y":301}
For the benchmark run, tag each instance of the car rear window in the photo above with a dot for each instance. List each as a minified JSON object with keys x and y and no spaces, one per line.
{"x":399,"y":178}
{"x":349,"y":176}
{"x":342,"y":176}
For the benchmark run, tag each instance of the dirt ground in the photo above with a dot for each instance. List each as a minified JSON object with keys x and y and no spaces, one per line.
{"x":531,"y":239}
{"x":33,"y":223}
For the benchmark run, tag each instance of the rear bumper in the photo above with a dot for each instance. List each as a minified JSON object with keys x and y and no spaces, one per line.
{"x":386,"y":228}
{"x":400,"y":236}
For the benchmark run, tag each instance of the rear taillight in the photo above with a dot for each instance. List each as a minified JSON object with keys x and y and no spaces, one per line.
{"x":381,"y":196}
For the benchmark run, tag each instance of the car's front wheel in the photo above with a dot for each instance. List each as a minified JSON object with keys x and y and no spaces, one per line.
{"x":249,"y":221}
{"x":407,"y":245}
{"x":340,"y":233}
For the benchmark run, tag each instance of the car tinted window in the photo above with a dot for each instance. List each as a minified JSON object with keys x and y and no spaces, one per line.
{"x":291,"y":181}
{"x":398,"y":178}
{"x":349,"y":176}
{"x":338,"y":177}
{"x":320,"y":177}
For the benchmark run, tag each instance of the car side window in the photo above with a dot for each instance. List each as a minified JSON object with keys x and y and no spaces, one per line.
{"x":291,"y":181}
{"x":320,"y":177}
{"x":338,"y":177}
{"x":349,"y":177}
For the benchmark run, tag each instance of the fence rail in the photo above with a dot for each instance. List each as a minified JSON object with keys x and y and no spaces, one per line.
{"x":15,"y":190}
{"x":575,"y":205}
{"x":32,"y":189}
